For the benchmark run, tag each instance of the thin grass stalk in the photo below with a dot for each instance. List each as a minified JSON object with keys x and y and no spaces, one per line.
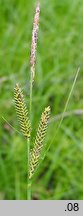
{"x":28,"y":145}
{"x":32,"y":74}
{"x":28,"y":181}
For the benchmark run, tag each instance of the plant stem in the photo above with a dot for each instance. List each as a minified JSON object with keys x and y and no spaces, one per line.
{"x":28,"y":167}
{"x":29,"y":191}
{"x":28,"y":144}
{"x":31,"y":86}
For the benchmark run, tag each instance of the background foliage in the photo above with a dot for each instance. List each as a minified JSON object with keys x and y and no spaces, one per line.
{"x":59,"y":53}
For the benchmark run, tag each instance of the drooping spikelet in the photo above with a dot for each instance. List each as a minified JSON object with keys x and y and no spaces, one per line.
{"x":34,"y":40}
{"x":22,"y":111}
{"x":36,"y":151}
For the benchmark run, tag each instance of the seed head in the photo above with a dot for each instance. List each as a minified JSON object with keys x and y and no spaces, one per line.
{"x":34,"y":40}
{"x":41,"y":133}
{"x":22,"y":111}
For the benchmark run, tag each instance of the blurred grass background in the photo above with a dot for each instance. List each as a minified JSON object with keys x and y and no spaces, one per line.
{"x":59,"y":53}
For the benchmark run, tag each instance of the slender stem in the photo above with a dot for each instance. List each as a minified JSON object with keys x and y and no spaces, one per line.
{"x":32,"y":73}
{"x":28,"y":167}
{"x":28,"y":144}
{"x":29,"y":191}
{"x":31,"y":86}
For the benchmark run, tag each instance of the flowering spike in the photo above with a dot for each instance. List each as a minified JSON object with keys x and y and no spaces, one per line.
{"x":34,"y":40}
{"x":22,"y":111}
{"x":41,"y":133}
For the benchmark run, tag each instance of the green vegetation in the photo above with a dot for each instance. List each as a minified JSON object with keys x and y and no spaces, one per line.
{"x":59,"y":54}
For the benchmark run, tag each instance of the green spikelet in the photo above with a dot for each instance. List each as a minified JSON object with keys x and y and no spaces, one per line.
{"x":36,"y":151}
{"x":22,"y":111}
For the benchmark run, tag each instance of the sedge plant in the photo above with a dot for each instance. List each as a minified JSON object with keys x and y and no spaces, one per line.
{"x":24,"y":116}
